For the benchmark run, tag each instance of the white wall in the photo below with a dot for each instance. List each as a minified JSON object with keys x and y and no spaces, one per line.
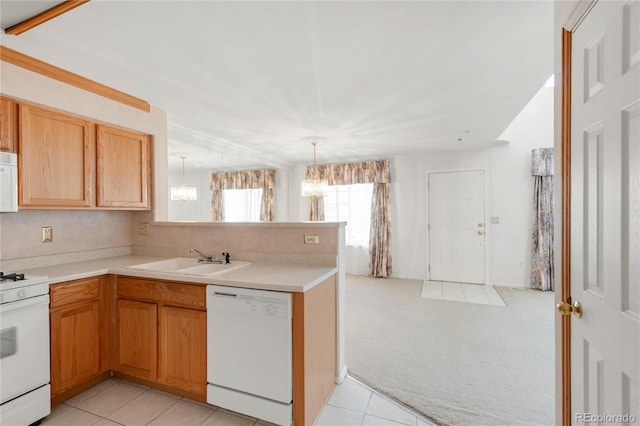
{"x":512,"y":190}
{"x":409,"y":204}
{"x":508,"y":192}
{"x":199,"y":210}
{"x":508,"y":189}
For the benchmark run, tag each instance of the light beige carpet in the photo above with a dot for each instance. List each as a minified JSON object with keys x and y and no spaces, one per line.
{"x":456,"y":363}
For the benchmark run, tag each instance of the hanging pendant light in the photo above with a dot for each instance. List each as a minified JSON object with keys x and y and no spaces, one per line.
{"x":314,"y":187}
{"x":184,"y":192}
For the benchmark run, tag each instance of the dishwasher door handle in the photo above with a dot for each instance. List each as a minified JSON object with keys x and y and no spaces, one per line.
{"x":218,"y":293}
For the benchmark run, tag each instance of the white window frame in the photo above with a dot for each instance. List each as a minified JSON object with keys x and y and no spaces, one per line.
{"x":351,"y":204}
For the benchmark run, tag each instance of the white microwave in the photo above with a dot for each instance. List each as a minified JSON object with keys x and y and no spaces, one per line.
{"x":8,"y":182}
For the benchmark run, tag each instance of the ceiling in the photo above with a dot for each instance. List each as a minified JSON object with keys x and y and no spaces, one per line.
{"x":257,"y":80}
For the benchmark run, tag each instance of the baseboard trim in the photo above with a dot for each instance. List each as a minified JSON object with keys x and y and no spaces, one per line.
{"x":342,"y":375}
{"x":200,"y":397}
{"x":510,"y":285}
{"x":70,"y":393}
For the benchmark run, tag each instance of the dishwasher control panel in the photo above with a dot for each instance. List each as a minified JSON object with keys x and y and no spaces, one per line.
{"x":249,"y":301}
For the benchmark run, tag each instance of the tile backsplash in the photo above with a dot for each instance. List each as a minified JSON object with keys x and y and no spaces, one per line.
{"x":85,"y":235}
{"x":74,"y":231}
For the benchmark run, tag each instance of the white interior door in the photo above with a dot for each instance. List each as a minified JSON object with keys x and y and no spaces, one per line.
{"x":605,"y":214}
{"x":456,"y":226}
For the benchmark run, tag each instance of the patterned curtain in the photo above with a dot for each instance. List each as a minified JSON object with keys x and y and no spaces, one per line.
{"x":351,"y":173}
{"x":380,"y":232}
{"x":376,"y":172}
{"x":216,"y":204}
{"x":542,"y":267}
{"x":244,"y":179}
{"x":316,"y":209}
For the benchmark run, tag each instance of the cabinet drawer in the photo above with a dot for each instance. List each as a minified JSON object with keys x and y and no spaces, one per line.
{"x":163,"y":292}
{"x":74,"y":291}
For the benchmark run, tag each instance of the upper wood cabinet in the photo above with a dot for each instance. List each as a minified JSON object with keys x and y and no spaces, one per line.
{"x":55,"y":159}
{"x":123,"y":168}
{"x":66,"y":161}
{"x":8,"y":124}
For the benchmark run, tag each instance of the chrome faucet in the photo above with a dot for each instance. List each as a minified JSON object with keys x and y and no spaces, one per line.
{"x":203,"y":257}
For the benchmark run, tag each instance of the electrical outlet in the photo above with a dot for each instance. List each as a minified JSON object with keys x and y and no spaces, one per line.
{"x":311,"y":239}
{"x":47,"y":234}
{"x":144,"y":228}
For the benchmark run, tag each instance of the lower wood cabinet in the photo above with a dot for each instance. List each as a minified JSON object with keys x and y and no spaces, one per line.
{"x":75,"y":346}
{"x":161,"y":334}
{"x":182,"y":348}
{"x":155,"y":332}
{"x":79,"y":348}
{"x":136,"y":344}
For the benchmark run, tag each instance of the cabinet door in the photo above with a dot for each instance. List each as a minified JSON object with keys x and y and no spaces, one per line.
{"x":7,"y":124}
{"x":182,"y":353}
{"x":55,"y":159}
{"x":136,"y":341}
{"x":124,"y":168}
{"x":75,"y":345}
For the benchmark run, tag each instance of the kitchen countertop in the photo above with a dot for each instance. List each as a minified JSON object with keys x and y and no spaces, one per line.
{"x":265,"y":276}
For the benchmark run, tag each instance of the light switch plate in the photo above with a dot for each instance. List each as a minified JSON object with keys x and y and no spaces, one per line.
{"x":311,"y":239}
{"x":47,"y":234}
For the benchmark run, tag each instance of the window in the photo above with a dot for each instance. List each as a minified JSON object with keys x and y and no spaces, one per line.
{"x":351,"y":204}
{"x":242,"y":205}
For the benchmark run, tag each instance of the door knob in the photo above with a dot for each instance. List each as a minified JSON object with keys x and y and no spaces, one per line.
{"x":567,"y":309}
{"x":480,"y":225}
{"x":480,"y":232}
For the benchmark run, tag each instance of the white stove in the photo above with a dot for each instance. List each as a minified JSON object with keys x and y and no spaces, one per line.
{"x":25,"y":393}
{"x":15,"y":287}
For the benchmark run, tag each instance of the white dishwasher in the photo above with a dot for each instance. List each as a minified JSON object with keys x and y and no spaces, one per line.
{"x":249,"y":352}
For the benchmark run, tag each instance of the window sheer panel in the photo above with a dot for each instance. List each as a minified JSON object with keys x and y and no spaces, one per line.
{"x":351,"y":204}
{"x":242,"y":205}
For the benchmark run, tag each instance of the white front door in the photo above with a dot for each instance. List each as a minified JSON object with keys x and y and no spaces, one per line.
{"x":605,"y":215}
{"x":456,"y":226}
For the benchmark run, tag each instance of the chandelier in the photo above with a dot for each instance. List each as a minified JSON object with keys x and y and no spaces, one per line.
{"x":314,"y":187}
{"x":184,"y":192}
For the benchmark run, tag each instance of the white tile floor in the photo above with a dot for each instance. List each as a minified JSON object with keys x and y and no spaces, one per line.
{"x":461,"y":292}
{"x":115,"y":402}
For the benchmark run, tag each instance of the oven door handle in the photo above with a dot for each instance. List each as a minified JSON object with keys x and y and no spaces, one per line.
{"x":20,"y":304}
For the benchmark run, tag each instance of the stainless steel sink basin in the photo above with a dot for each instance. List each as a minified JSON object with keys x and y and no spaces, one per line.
{"x":189,"y":265}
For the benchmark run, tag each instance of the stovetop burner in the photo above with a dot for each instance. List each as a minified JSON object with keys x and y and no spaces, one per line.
{"x":11,"y":277}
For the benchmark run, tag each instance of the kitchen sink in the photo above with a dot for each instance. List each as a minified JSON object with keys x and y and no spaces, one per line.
{"x":189,"y":265}
{"x":212,"y":268}
{"x":169,"y":265}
